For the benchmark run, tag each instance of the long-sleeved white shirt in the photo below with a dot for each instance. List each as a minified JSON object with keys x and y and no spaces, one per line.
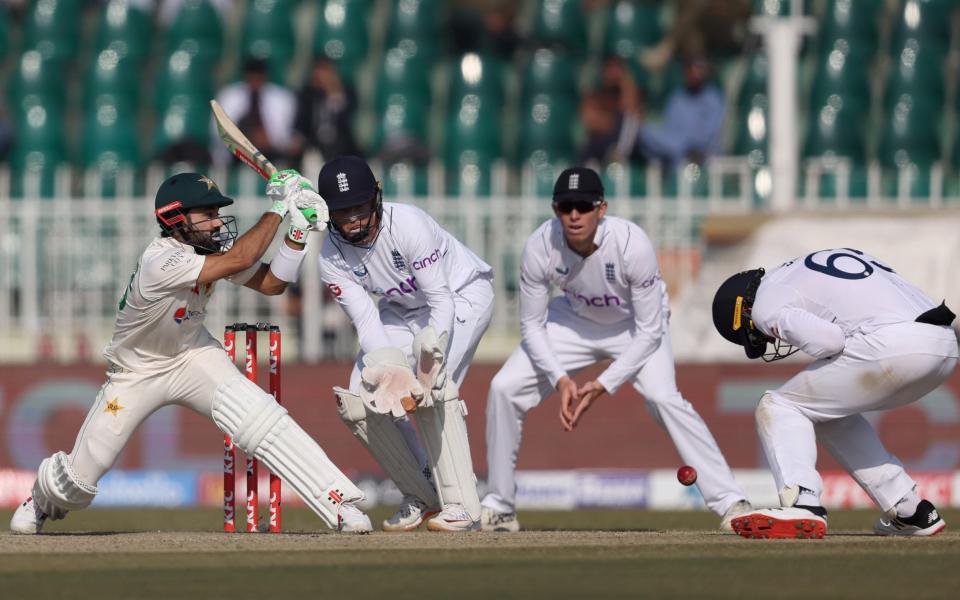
{"x":413,"y":264}
{"x":815,"y":302}
{"x":619,"y":283}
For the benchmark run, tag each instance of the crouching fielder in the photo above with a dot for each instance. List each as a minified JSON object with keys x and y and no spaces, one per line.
{"x":879,"y":343}
{"x":435,"y":302}
{"x":614,"y":305}
{"x":162,"y":354}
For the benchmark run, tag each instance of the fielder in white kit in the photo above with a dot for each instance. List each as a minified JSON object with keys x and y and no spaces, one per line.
{"x":435,"y":300}
{"x":879,"y":343}
{"x":613,"y":306}
{"x":162,"y":354}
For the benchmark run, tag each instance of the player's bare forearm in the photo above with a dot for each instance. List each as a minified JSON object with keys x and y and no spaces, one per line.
{"x":265,"y":282}
{"x":246,"y":251}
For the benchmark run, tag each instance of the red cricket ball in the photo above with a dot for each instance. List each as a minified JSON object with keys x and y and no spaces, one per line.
{"x":687,"y":475}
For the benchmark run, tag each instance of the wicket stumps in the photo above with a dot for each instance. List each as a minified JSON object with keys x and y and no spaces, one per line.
{"x":229,"y":451}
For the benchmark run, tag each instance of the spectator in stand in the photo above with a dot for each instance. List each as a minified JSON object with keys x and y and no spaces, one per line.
{"x":264,"y":111}
{"x":485,"y":27}
{"x":715,"y":28}
{"x":612,"y":115}
{"x":692,"y":119}
{"x":325,"y":108}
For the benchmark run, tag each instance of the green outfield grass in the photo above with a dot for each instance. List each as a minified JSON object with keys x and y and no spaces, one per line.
{"x":96,"y":554}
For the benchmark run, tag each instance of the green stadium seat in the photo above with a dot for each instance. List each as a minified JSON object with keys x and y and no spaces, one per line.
{"x":404,"y":75}
{"x":472,"y":145}
{"x":197,"y":29}
{"x":754,"y":81}
{"x":927,"y":20}
{"x":111,"y":76}
{"x":415,"y":26}
{"x":478,"y":75}
{"x":917,"y":68}
{"x":181,"y":119}
{"x":752,"y":131}
{"x":402,"y":118}
{"x":842,"y":71}
{"x":401,"y":178}
{"x":38,"y":79}
{"x":550,"y":73}
{"x":39,"y":147}
{"x":110,"y":143}
{"x":853,"y":20}
{"x":631,"y":27}
{"x":183,"y":75}
{"x":341,"y":33}
{"x":52,"y":28}
{"x":910,"y":133}
{"x":126,"y":29}
{"x":546,"y":139}
{"x":268,"y":34}
{"x":836,"y":130}
{"x":560,"y":24}
{"x":4,"y":31}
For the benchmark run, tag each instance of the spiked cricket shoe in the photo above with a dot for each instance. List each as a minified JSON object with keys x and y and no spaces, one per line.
{"x":782,"y":523}
{"x":491,"y":520}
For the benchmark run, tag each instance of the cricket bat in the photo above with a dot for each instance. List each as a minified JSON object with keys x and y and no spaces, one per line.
{"x":239,"y":145}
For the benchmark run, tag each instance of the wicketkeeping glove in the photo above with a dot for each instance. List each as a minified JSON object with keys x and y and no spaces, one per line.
{"x":387,"y":383}
{"x":429,"y":350}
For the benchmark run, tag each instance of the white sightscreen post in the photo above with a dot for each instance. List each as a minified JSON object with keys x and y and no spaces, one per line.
{"x":782,"y":37}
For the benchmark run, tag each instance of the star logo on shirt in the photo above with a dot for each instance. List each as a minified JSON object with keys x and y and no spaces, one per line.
{"x":113,"y":407}
{"x":210,"y":184}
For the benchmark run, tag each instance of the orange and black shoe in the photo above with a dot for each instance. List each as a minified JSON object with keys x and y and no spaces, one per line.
{"x":795,"y":522}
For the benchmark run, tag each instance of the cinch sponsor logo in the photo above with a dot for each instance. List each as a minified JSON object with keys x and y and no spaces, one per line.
{"x":425,"y":262}
{"x":407,"y":286}
{"x":599,"y":301}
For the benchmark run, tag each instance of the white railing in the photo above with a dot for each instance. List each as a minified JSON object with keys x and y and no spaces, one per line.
{"x":64,"y":261}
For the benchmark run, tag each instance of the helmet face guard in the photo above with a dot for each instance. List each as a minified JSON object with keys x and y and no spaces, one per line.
{"x":365,"y":210}
{"x":173,"y":220}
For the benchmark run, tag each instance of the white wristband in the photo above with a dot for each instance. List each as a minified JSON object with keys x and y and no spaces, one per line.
{"x":286,"y":264}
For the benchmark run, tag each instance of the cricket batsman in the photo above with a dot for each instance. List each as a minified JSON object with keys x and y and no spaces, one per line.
{"x":613,"y":306}
{"x":420,"y":301}
{"x":162,"y":354}
{"x":878,"y":342}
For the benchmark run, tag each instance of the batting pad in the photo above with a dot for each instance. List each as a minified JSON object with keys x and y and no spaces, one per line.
{"x":262,"y":428}
{"x":58,"y":489}
{"x":386,"y":444}
{"x":444,"y":433}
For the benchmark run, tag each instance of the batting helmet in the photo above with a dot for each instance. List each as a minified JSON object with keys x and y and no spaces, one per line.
{"x":347,"y":182}
{"x":185,"y":191}
{"x":732,"y":306}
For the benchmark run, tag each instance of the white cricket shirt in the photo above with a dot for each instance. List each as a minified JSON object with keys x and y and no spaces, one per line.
{"x":619,"y":283}
{"x":413,"y":264}
{"x":162,"y":310}
{"x":815,"y":302}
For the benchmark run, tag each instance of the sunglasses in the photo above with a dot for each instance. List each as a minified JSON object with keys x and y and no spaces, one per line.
{"x":566,"y":207}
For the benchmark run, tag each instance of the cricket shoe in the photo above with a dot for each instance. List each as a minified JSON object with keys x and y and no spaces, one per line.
{"x":410,"y":515}
{"x":453,"y":517}
{"x":28,"y":519}
{"x":795,"y":522}
{"x":737,"y":509}
{"x":925,"y":522}
{"x":352,"y":520}
{"x":491,"y":520}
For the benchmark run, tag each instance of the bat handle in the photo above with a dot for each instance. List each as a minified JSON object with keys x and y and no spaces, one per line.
{"x":409,"y":404}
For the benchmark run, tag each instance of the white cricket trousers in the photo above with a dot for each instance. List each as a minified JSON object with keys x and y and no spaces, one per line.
{"x":473,"y":311}
{"x":890,"y":367}
{"x":127,"y":398}
{"x":578,"y":343}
